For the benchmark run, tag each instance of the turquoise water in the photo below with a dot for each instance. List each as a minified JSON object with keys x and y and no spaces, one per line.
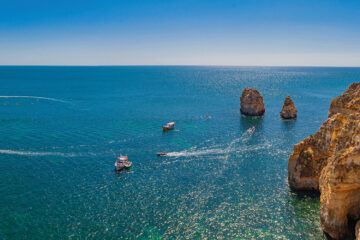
{"x":57,"y":152}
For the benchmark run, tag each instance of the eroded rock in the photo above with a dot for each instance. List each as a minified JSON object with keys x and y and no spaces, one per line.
{"x":329,"y":162}
{"x":357,"y":231}
{"x":340,"y":194}
{"x":288,"y":111}
{"x":347,"y":103}
{"x":251,"y":103}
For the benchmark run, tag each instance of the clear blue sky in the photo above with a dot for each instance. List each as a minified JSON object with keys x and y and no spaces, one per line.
{"x":183,"y":32}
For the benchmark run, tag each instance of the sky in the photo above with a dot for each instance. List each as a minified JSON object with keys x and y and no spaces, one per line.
{"x":182,"y":32}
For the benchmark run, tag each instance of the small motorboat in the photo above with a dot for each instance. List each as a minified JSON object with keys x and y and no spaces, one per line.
{"x":208,"y":117}
{"x":169,"y":126}
{"x":122,"y":163}
{"x":252,"y":128}
{"x":161,"y":154}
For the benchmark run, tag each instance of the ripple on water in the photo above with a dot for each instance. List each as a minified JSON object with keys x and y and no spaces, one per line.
{"x":219,"y":181}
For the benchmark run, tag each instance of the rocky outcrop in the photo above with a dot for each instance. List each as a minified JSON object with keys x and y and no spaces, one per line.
{"x":251,"y":103}
{"x":329,"y":162}
{"x":288,"y":111}
{"x":311,"y":155}
{"x":357,"y":231}
{"x":347,"y":103}
{"x":340,"y":194}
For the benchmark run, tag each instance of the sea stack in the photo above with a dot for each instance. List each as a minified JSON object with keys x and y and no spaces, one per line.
{"x":251,"y":103}
{"x":329,"y":162}
{"x":288,"y":111}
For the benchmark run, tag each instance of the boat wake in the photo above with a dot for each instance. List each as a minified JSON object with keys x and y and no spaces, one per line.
{"x":193,"y":152}
{"x":187,"y":153}
{"x":35,"y":97}
{"x":247,"y":134}
{"x":30,"y":153}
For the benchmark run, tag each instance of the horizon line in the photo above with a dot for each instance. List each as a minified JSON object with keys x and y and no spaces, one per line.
{"x":174,"y":65}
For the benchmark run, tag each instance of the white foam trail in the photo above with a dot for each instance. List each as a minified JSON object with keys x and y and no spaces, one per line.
{"x":34,"y":97}
{"x":30,"y":153}
{"x":196,"y":153}
{"x":247,"y":134}
{"x":216,"y":151}
{"x":213,"y":151}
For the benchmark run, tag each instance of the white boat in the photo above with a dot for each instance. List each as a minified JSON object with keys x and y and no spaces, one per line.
{"x":169,"y":126}
{"x":122,"y":163}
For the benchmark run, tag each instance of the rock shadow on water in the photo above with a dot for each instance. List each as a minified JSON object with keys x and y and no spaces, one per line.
{"x":288,"y":124}
{"x":249,"y":121}
{"x":305,"y":194}
{"x":289,"y":131}
{"x":288,"y":120}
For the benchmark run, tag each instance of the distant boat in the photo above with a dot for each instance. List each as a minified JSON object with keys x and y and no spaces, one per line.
{"x":252,"y":128}
{"x":208,"y":117}
{"x":122,"y":163}
{"x":161,"y":154}
{"x":169,"y":126}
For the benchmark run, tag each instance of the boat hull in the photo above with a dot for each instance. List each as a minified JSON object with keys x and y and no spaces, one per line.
{"x":167,"y":128}
{"x":123,"y":166}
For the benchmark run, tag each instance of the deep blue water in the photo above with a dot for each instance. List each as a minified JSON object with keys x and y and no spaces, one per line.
{"x":57,"y":153}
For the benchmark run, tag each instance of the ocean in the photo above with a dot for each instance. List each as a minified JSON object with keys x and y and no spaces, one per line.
{"x":62,"y":128}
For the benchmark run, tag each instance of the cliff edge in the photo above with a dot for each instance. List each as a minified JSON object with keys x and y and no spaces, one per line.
{"x":329,"y":162}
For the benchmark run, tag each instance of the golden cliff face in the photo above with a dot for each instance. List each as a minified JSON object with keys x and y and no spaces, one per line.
{"x":340,"y":194}
{"x":329,"y":162}
{"x":347,"y":103}
{"x":311,"y":155}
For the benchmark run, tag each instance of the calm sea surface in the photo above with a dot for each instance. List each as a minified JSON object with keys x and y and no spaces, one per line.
{"x":58,"y":147}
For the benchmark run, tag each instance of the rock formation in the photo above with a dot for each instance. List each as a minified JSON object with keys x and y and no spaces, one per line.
{"x":288,"y":111}
{"x":251,"y":103}
{"x":340,"y":194}
{"x":357,"y":231}
{"x":347,"y":103}
{"x":329,"y":162}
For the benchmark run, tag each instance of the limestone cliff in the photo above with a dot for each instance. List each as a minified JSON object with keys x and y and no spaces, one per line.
{"x":288,"y":111}
{"x":340,"y":194}
{"x":357,"y":230}
{"x":347,"y":103}
{"x":329,"y":162}
{"x":311,"y":155}
{"x":251,"y":103}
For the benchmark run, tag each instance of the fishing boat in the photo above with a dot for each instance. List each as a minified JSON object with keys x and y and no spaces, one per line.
{"x":122,"y":163}
{"x":169,"y":126}
{"x":161,"y":154}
